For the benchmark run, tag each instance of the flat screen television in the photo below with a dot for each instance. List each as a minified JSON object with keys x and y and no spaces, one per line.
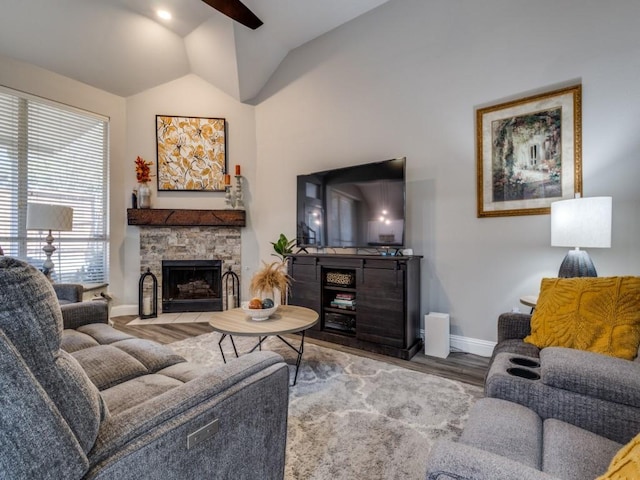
{"x":361,"y":206}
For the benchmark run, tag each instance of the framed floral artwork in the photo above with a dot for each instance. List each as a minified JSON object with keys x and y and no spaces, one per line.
{"x":192,"y":153}
{"x":529,"y":153}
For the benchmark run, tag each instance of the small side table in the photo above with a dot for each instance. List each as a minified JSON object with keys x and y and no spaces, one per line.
{"x":529,"y":301}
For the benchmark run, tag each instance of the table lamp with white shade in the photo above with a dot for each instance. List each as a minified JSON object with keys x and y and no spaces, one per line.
{"x":580,"y":223}
{"x":42,"y":216}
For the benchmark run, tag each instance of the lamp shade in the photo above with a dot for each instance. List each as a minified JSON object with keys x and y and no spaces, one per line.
{"x":581,"y":222}
{"x":41,"y":216}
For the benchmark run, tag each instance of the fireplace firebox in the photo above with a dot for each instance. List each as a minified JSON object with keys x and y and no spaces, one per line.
{"x":191,"y":285}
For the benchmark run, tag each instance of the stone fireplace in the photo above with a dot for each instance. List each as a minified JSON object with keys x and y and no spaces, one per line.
{"x":174,"y":243}
{"x":187,"y":235}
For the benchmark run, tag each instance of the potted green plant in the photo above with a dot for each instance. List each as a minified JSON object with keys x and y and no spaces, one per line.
{"x":283,"y":247}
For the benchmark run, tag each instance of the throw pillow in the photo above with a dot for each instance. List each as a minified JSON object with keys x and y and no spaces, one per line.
{"x":598,"y":314}
{"x":626,"y":463}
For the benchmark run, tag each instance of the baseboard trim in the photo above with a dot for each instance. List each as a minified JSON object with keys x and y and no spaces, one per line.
{"x":120,"y":310}
{"x":483,"y":348}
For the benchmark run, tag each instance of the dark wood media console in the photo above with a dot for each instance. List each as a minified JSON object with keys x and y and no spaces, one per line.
{"x":369,"y":302}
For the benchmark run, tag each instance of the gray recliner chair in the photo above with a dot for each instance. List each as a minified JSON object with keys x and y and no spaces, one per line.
{"x":595,"y":392}
{"x":119,"y":407}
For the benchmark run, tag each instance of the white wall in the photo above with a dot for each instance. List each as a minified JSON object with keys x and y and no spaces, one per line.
{"x":43,"y":83}
{"x":405,"y":79}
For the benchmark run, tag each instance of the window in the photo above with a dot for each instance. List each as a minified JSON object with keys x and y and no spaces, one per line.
{"x":51,"y":153}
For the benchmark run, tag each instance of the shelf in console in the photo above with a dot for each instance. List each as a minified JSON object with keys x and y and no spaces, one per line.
{"x":340,"y":330}
{"x":335,"y":288}
{"x":341,"y":311}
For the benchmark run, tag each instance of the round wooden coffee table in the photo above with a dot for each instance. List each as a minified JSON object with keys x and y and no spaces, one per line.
{"x":287,"y":319}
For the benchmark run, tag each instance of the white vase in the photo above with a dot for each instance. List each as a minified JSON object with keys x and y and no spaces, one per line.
{"x":144,"y":196}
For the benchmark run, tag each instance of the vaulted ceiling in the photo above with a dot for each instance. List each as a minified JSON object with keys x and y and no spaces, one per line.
{"x":121,"y":46}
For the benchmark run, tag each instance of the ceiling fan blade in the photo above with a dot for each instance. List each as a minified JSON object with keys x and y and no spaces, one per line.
{"x":236,"y":10}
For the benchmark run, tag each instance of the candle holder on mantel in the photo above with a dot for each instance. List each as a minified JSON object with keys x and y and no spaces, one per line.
{"x":233,"y":196}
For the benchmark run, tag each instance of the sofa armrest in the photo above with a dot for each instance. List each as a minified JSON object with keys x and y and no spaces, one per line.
{"x":591,"y":374}
{"x":513,"y":326}
{"x":35,"y":440}
{"x":247,"y":397}
{"x":456,"y":461}
{"x":75,"y":315}
{"x":68,"y":292}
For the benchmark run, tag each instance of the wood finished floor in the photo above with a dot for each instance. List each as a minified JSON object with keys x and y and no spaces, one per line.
{"x":464,"y":367}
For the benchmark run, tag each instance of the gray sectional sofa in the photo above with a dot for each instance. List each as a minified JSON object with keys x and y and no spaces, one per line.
{"x":555,"y":413}
{"x":91,"y":402}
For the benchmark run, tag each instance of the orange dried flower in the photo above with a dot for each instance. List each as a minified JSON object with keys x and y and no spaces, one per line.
{"x":143,"y":170}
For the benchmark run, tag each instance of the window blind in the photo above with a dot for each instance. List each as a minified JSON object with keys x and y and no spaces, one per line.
{"x":51,"y":153}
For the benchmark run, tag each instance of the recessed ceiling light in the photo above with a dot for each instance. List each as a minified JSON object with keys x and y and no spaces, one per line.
{"x":163,"y":14}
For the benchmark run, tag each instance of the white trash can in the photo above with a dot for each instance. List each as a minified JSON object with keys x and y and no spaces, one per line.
{"x":436,"y":334}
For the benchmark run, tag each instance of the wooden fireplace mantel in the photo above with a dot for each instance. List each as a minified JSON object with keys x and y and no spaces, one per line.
{"x":165,"y":217}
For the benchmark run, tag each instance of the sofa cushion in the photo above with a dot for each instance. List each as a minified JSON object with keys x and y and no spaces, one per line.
{"x":151,"y":354}
{"x":107,"y":366}
{"x":506,"y":429}
{"x":572,"y":453}
{"x":30,"y":317}
{"x":626,"y":463}
{"x":72,"y":341}
{"x":601,"y":315}
{"x":102,"y":333}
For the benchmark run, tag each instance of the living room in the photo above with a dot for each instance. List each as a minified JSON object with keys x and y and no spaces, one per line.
{"x":404,"y":79}
{"x":401,"y":80}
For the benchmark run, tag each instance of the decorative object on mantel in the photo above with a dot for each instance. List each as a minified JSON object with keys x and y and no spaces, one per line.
{"x":143,"y":175}
{"x":148,"y":295}
{"x":233,"y":197}
{"x":192,"y":153}
{"x":529,"y":153}
{"x":161,"y":217}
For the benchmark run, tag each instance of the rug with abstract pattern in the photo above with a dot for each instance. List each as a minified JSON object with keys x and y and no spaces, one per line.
{"x":353,"y":417}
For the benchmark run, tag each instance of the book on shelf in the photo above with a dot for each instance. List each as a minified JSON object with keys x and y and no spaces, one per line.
{"x":345,"y":296}
{"x":343,"y":302}
{"x":343,"y":306}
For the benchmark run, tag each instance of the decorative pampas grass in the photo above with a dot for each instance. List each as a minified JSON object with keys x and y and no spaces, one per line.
{"x":272,"y":276}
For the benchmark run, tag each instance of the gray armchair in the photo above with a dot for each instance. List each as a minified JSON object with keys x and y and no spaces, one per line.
{"x":75,"y":312}
{"x":68,"y":292}
{"x":92,"y":402}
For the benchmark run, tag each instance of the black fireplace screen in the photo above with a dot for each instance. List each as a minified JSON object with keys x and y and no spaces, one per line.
{"x":191,"y":285}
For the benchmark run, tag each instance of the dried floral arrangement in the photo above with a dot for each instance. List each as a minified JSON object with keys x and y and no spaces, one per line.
{"x":271,"y":276}
{"x":143,"y":170}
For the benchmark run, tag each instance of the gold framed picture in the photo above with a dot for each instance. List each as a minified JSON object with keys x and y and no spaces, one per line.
{"x":529,"y":153}
{"x":191,"y":153}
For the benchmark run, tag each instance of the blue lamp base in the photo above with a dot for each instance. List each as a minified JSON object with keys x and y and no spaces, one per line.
{"x":577,"y":263}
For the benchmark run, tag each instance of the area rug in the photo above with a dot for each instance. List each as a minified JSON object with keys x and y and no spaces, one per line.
{"x":354,"y":417}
